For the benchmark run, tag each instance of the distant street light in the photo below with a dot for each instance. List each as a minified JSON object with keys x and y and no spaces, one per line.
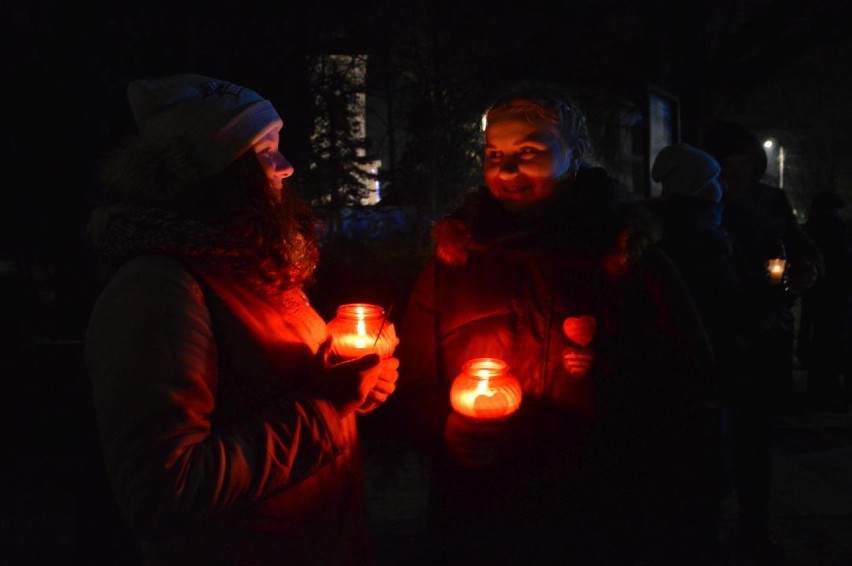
{"x":769,"y":145}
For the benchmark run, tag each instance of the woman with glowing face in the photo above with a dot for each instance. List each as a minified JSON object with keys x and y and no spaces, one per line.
{"x":524,"y":159}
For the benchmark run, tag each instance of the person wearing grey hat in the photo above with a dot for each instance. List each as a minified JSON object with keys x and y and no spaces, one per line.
{"x":228,"y":436}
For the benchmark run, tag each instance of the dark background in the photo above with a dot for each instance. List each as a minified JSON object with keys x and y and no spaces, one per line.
{"x":782,"y":67}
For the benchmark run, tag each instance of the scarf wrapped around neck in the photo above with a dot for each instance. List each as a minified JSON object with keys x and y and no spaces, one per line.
{"x":121,"y":233}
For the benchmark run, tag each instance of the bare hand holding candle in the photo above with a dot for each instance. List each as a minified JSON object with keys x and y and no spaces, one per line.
{"x":362,"y":328}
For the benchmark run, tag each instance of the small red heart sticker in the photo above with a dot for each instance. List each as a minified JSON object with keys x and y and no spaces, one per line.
{"x":580,"y":329}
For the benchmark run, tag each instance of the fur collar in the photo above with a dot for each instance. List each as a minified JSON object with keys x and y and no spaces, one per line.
{"x":587,"y":216}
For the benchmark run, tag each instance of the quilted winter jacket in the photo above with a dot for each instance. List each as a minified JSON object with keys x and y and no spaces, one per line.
{"x":213,"y":453}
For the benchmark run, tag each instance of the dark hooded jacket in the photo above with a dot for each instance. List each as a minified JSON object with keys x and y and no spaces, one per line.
{"x":828,"y":305}
{"x":591,"y":451}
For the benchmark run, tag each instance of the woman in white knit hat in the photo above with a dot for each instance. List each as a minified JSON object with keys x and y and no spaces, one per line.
{"x":228,"y":438}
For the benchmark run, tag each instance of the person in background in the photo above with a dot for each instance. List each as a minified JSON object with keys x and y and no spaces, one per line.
{"x":829,"y":304}
{"x":689,"y":210}
{"x":227,"y":436}
{"x":761,"y":222}
{"x":549,"y":269}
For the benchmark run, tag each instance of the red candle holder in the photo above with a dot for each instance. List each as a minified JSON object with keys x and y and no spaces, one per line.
{"x":486,"y":390}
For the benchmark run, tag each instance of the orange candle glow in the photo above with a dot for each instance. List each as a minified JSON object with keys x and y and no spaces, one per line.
{"x":486,"y":390}
{"x":776,"y":268}
{"x":359,"y":329}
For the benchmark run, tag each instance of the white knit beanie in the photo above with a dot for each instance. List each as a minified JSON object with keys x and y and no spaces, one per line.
{"x":217,"y":120}
{"x":684,"y":170}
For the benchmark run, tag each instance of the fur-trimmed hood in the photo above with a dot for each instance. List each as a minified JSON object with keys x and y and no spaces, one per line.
{"x":141,"y":171}
{"x":587,"y":214}
{"x":137,"y":179}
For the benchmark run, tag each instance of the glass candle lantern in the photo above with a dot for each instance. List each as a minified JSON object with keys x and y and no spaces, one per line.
{"x":359,"y":329}
{"x":486,"y":390}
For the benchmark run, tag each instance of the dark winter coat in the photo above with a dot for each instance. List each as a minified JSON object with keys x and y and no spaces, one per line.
{"x":714,"y":270}
{"x":762,"y":223}
{"x":833,"y":236}
{"x":827,"y":307}
{"x":204,"y":465}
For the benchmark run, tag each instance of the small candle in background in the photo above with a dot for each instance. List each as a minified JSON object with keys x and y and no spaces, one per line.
{"x":776,"y":268}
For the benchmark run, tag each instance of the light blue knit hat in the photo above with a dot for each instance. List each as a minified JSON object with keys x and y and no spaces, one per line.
{"x":684,"y":170}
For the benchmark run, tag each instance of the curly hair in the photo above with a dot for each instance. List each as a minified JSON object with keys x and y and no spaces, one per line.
{"x":279,"y":226}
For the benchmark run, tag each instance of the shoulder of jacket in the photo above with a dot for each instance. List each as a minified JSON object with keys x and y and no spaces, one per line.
{"x":158,"y":269}
{"x":156,"y":262}
{"x":145,"y":283}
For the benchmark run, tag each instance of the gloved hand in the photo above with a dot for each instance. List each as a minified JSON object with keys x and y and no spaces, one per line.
{"x":801,"y":276}
{"x":474,"y":444}
{"x":347,"y":384}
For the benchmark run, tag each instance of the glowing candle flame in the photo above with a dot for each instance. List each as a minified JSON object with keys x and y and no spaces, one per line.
{"x":776,"y":268}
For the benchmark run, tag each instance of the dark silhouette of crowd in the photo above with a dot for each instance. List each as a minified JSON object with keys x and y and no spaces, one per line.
{"x":747,"y":261}
{"x":825,"y":336}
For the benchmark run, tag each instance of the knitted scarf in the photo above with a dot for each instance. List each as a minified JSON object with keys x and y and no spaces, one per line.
{"x":121,"y":233}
